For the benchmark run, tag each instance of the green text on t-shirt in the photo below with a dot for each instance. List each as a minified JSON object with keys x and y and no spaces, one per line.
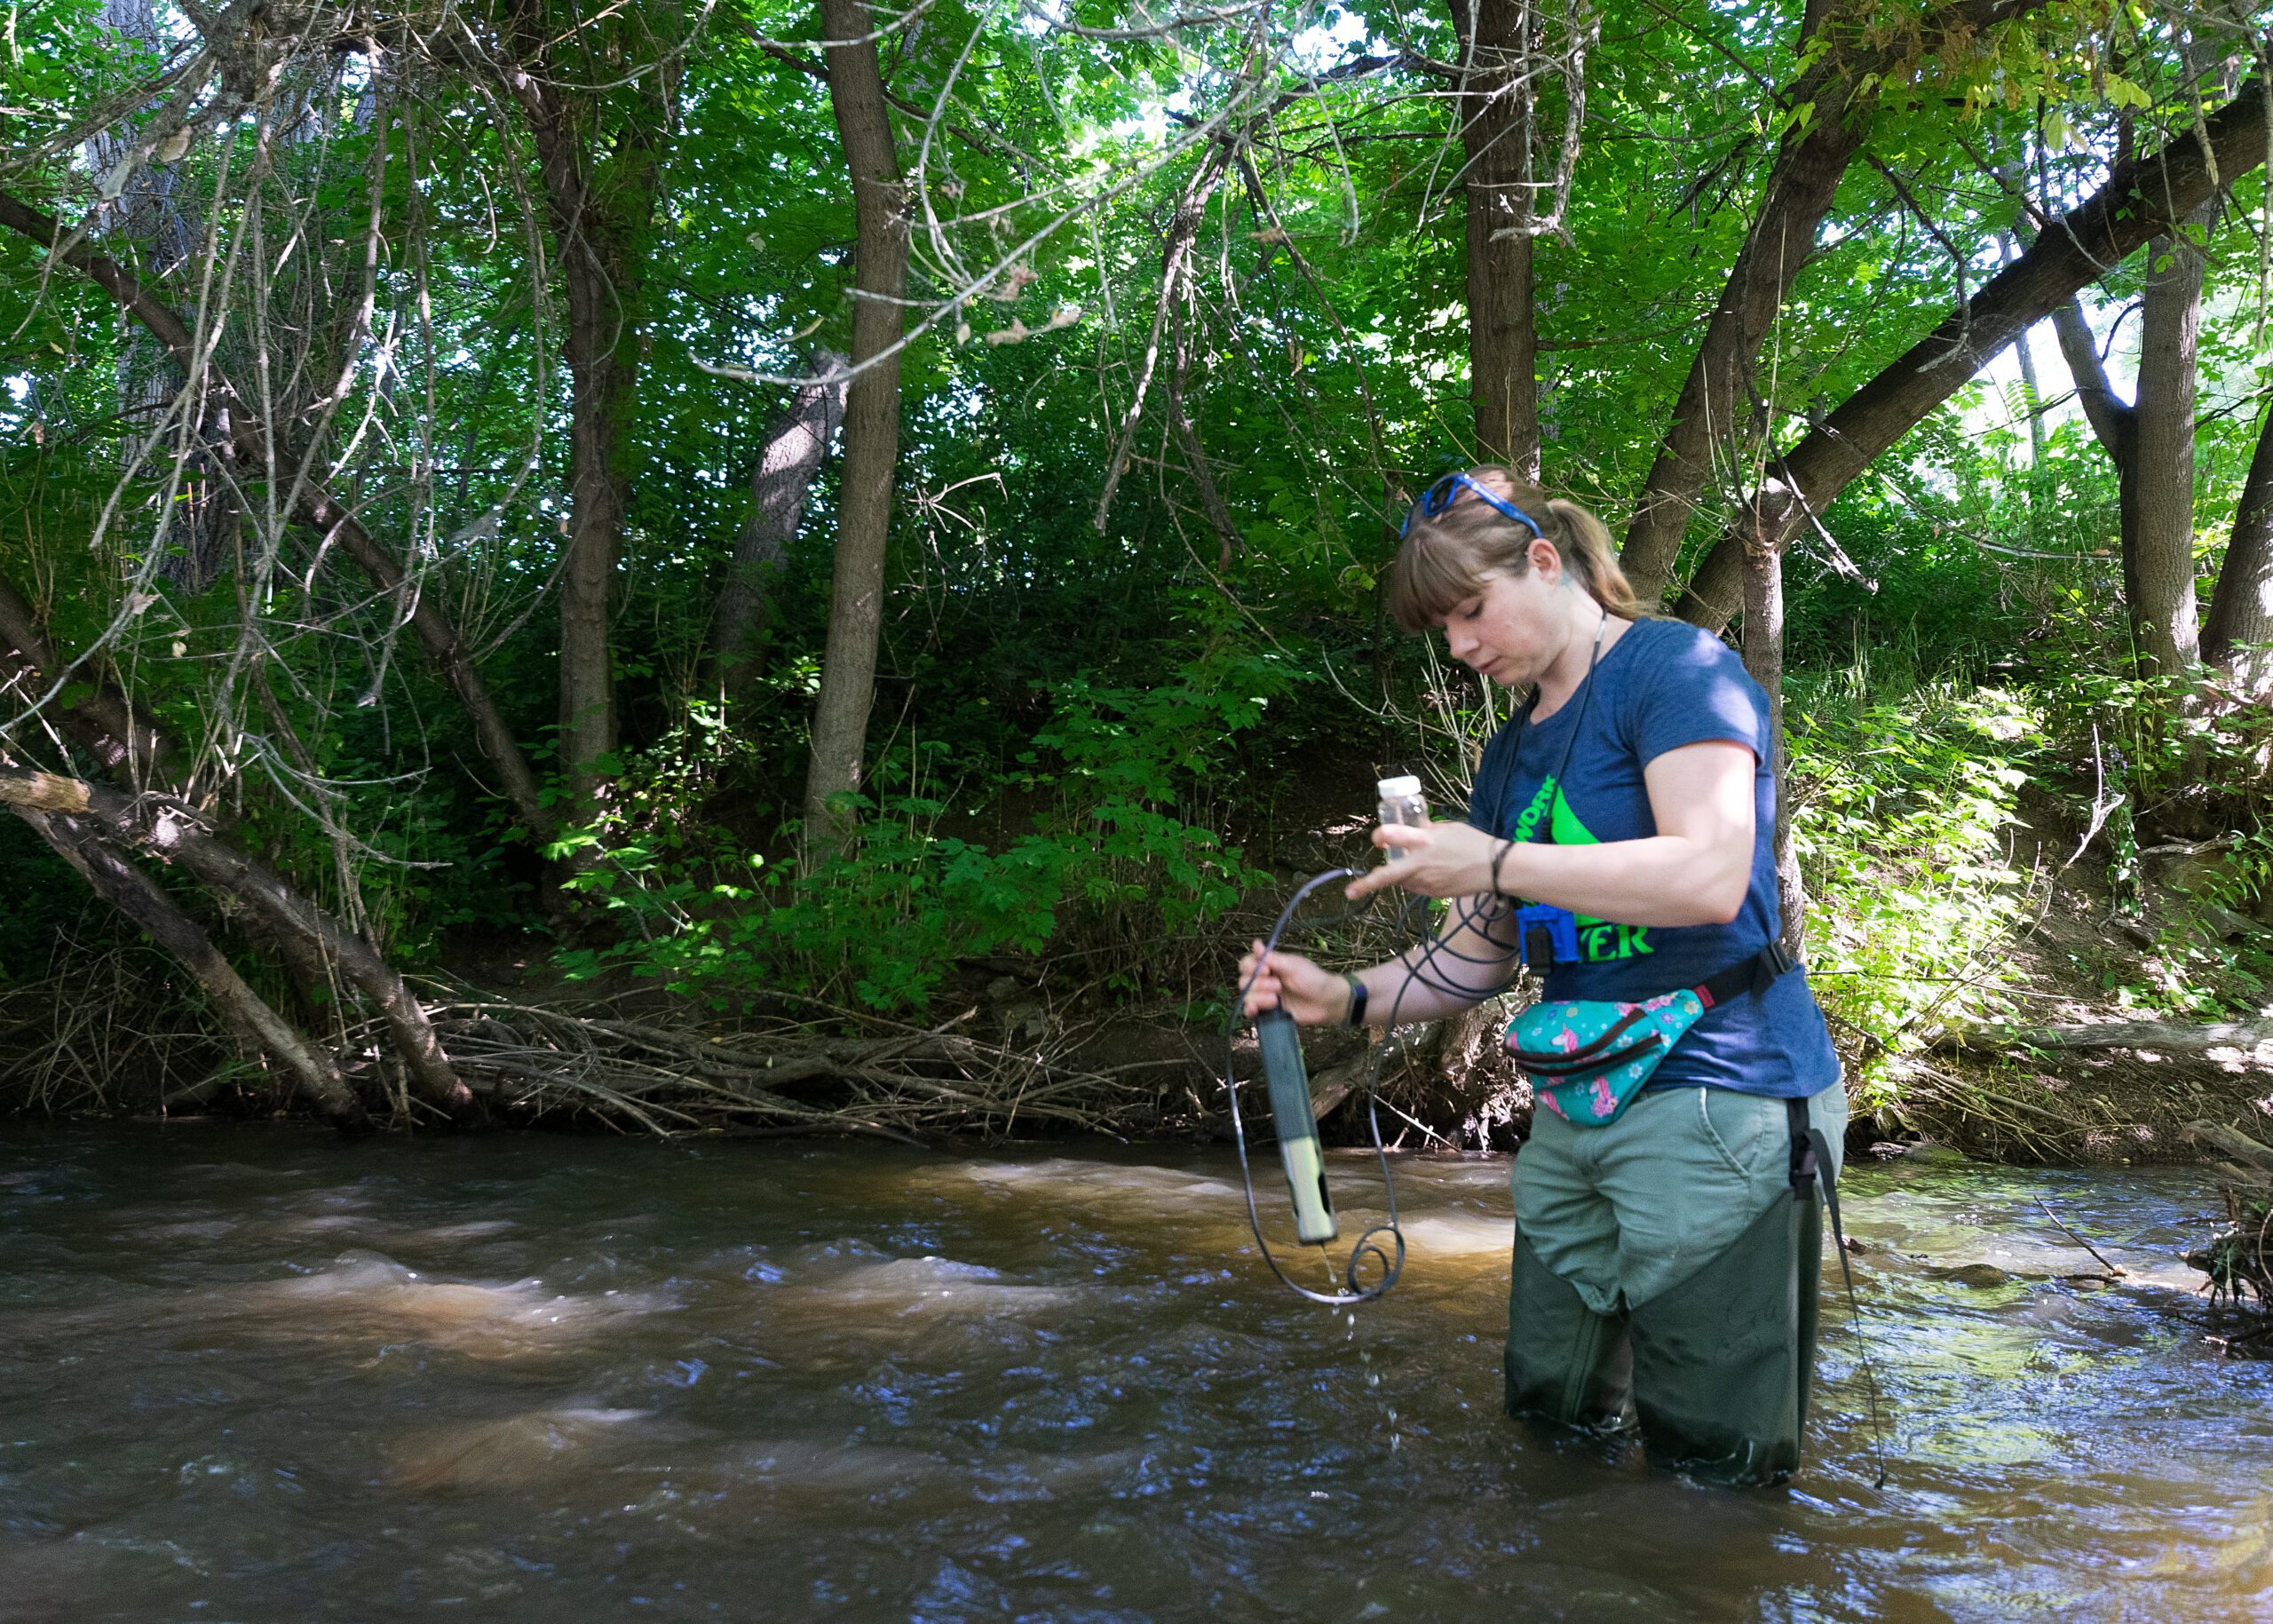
{"x":1599,"y":939}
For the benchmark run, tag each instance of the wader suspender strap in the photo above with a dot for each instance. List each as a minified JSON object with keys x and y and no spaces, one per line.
{"x":1756,"y":976}
{"x":1811,"y":1165}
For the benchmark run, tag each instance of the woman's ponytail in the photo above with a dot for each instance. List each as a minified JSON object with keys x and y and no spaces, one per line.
{"x":1446,"y":553}
{"x":1584,"y":542}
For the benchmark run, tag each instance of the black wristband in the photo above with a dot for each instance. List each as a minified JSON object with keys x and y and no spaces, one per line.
{"x":1498,"y":858}
{"x":1356,"y":1016}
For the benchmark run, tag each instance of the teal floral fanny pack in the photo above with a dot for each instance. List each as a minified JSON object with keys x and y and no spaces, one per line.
{"x":1588,"y":1058}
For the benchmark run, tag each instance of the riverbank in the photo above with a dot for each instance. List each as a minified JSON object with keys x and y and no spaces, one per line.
{"x":1016,"y":1060}
{"x":2056,"y":1054}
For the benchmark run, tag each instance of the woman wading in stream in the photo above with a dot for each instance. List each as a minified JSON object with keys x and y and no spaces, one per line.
{"x":1667,"y":1239}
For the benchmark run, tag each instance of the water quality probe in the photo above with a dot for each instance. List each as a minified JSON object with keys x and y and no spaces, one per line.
{"x":1286,"y":1080}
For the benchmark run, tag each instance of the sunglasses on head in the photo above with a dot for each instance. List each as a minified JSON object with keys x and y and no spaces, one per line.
{"x":1446,"y":491}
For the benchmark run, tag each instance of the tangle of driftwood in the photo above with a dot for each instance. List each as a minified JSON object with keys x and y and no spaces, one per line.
{"x":830,"y":1070}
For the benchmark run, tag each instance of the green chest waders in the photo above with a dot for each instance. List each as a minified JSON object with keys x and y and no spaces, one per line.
{"x":1716,"y":1369}
{"x":1723,"y":1362}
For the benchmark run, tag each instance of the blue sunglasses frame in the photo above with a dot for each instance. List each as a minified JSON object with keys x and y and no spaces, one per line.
{"x":1441,"y":495}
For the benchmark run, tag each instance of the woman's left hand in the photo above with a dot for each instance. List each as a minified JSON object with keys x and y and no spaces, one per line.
{"x":1430,"y":860}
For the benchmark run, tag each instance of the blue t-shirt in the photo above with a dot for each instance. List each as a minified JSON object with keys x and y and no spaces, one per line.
{"x":1663,"y":684}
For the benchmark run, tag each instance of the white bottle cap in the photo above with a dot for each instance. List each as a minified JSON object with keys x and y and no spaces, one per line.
{"x":1407,"y":785}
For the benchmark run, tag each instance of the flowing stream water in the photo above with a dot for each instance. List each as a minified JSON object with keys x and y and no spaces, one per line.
{"x":262,"y":1373}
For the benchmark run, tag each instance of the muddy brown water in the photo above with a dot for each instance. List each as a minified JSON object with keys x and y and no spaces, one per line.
{"x":255,"y":1374}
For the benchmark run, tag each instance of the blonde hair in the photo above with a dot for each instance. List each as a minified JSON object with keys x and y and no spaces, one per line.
{"x":1445,"y":555}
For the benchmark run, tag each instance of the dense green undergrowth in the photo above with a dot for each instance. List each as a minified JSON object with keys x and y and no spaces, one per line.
{"x":1122,"y":859}
{"x":1935,"y":801}
{"x":1933,"y":814}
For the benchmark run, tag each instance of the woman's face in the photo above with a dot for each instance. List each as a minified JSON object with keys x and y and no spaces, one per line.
{"x":1512,"y":629}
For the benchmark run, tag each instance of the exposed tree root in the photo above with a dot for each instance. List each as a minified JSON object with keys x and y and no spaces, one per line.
{"x":2241,"y":1278}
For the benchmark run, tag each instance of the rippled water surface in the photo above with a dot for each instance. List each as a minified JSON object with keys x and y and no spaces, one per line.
{"x":261,"y":1374}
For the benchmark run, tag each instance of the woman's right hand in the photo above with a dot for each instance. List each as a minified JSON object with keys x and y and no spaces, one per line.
{"x":1313,"y":996}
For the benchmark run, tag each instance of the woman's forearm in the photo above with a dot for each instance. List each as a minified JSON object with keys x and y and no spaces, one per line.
{"x":1462,"y":968}
{"x":1695,"y":870}
{"x":1663,"y":880}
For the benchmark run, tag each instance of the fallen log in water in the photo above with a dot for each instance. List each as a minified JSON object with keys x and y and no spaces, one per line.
{"x":2239,"y":1146}
{"x":2164,"y":1037}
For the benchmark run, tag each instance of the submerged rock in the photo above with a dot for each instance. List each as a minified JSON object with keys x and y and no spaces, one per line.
{"x":1933,"y":1155}
{"x":1974,"y":1274}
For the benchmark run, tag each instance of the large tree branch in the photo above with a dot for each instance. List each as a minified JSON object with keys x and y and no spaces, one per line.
{"x":308,"y":936}
{"x":168,"y":831}
{"x":1838,"y":91}
{"x":313,"y":504}
{"x":259,"y":1029}
{"x":2144,"y":198}
{"x":2107,"y":412}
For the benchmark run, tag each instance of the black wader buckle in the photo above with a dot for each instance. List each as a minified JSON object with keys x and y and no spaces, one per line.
{"x":1803,"y":1163}
{"x":1769,"y":965}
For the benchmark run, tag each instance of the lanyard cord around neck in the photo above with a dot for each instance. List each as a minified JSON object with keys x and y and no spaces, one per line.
{"x":1554,"y":783}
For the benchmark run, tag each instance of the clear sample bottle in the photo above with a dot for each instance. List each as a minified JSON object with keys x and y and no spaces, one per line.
{"x":1402,"y":801}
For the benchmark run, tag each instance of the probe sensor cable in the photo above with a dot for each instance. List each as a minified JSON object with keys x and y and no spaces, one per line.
{"x":1421,"y":970}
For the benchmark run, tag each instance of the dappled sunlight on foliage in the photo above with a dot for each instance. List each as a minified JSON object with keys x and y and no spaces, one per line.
{"x":1903,"y":811}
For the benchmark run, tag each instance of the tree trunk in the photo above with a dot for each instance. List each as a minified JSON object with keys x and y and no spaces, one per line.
{"x":2151,"y":444}
{"x":314,"y":506}
{"x":797,"y":442}
{"x":1840,"y":92}
{"x":2165,"y":611}
{"x":600,"y":189}
{"x":260,"y":1032}
{"x":848,"y":677}
{"x":2116,"y":426}
{"x":2142,"y":199}
{"x":1762,"y":556}
{"x":602,"y":359}
{"x":2241,"y":608}
{"x":1498,"y":105}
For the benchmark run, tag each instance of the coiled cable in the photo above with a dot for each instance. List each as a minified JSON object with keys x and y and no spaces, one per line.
{"x":1423,"y":970}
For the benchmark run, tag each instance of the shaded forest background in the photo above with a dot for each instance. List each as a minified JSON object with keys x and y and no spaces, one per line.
{"x":816,"y":569}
